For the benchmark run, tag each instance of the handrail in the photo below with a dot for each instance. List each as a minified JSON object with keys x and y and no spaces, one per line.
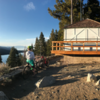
{"x":75,"y":46}
{"x":58,"y":44}
{"x":74,"y":41}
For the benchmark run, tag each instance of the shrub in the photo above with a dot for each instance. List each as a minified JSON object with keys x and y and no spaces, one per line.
{"x":0,"y":59}
{"x":4,"y":69}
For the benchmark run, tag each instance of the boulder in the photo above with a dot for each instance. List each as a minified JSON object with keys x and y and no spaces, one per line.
{"x":91,"y":78}
{"x":45,"y":81}
{"x":3,"y":96}
{"x":98,"y":82}
{"x":58,"y":63}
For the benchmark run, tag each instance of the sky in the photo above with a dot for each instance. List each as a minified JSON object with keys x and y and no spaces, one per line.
{"x":21,"y":21}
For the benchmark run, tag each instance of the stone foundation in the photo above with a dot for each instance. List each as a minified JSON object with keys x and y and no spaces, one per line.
{"x":81,"y":59}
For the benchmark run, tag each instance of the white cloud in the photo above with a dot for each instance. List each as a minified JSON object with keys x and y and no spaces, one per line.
{"x":29,"y":6}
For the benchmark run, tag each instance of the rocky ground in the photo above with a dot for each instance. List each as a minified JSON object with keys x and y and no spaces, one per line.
{"x":70,"y":84}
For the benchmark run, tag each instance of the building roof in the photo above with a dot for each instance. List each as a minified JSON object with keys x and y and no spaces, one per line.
{"x":87,"y":23}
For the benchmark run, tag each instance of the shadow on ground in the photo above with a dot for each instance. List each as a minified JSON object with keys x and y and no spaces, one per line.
{"x":77,"y":73}
{"x":62,"y":82}
{"x":95,"y":99}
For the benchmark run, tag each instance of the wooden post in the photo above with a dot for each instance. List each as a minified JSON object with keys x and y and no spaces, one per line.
{"x":63,"y":47}
{"x":56,"y":46}
{"x":52,"y":45}
{"x":96,"y":46}
{"x":71,"y":46}
{"x":83,"y":47}
{"x":59,"y":46}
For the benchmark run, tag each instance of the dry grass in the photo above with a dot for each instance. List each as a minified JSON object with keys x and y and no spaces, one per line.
{"x":4,"y":69}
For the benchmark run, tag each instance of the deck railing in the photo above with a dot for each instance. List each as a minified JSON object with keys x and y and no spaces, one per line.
{"x":59,"y":47}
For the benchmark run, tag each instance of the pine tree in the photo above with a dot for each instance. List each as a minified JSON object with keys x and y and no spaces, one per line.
{"x":48,"y":48}
{"x":60,"y":35}
{"x":49,"y":42}
{"x":42,"y":44}
{"x":25,"y":49}
{"x":22,"y":59}
{"x":32,"y":47}
{"x":37,"y":47}
{"x":0,"y":59}
{"x":13,"y":59}
{"x":52,"y":37}
{"x":92,"y":10}
{"x":63,"y":13}
{"x":56,"y":35}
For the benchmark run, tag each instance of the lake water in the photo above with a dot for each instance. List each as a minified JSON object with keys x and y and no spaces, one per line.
{"x":4,"y":58}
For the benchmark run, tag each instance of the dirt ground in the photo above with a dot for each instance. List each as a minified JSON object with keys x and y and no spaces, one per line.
{"x":70,"y":84}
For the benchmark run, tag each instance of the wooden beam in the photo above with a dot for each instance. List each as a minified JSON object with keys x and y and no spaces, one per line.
{"x":75,"y":41}
{"x":76,"y":46}
{"x":96,"y":46}
{"x":59,"y":46}
{"x":83,"y":47}
{"x":56,"y":46}
{"x":52,"y":45}
{"x":71,"y":46}
{"x":76,"y":52}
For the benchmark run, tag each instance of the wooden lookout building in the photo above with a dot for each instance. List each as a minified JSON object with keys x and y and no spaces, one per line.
{"x":81,"y":39}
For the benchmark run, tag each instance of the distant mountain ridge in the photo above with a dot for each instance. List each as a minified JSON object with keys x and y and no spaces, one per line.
{"x":6,"y":50}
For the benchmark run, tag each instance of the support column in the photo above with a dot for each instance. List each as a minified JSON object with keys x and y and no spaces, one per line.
{"x":52,"y":45}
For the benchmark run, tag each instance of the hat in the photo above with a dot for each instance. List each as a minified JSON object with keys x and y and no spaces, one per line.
{"x":29,"y":47}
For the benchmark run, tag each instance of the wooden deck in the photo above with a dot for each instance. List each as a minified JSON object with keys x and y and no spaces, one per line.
{"x":68,"y":47}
